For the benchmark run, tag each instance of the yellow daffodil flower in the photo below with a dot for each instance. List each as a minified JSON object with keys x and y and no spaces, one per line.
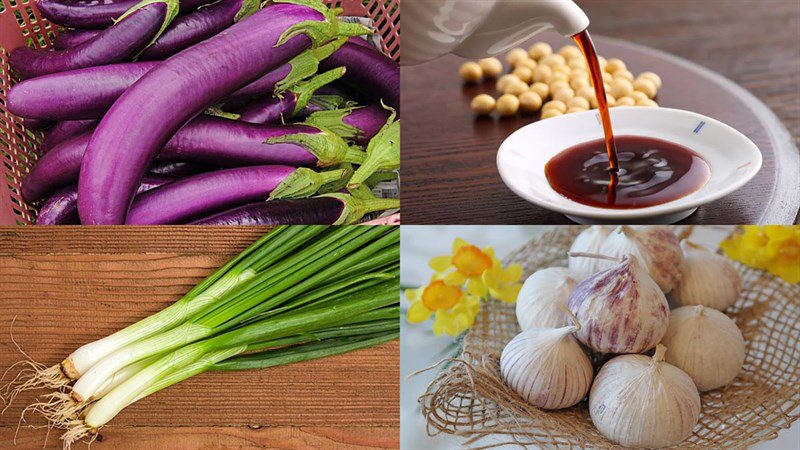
{"x":466,"y":264}
{"x":503,"y":284}
{"x":775,"y":248}
{"x":454,"y":309}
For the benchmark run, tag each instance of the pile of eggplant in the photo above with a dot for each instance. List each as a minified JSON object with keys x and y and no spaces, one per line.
{"x":207,"y":112}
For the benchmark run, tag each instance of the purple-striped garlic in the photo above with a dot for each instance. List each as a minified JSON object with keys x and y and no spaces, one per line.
{"x":708,"y":279}
{"x":656,"y":246}
{"x":621,"y":309}
{"x":543,"y":298}
{"x":706,"y":344}
{"x":588,"y":241}
{"x":547,"y":367}
{"x":643,"y":402}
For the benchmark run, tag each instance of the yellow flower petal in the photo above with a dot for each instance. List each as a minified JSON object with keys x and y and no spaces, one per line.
{"x":455,"y":279}
{"x":513,"y":273}
{"x":476,"y":287}
{"x":458,"y":243}
{"x":417,"y":313}
{"x":440,"y":263}
{"x":412,"y":294}
{"x":507,"y":293}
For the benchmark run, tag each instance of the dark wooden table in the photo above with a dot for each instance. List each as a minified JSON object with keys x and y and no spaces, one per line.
{"x":448,"y":156}
{"x":70,"y":285}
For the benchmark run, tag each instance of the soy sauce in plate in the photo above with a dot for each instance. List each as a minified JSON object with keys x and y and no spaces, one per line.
{"x":651,"y":172}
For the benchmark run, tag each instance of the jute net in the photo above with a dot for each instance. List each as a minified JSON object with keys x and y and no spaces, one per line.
{"x":469,"y":398}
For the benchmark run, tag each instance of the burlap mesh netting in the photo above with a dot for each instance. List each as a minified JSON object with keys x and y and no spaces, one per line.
{"x":469,"y":399}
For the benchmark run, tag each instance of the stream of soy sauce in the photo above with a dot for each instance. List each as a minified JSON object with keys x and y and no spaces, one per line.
{"x":584,"y":42}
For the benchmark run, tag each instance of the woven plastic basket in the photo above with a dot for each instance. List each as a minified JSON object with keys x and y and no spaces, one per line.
{"x":21,"y":24}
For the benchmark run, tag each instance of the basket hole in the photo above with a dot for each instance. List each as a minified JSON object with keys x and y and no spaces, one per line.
{"x":18,"y":15}
{"x":13,"y":3}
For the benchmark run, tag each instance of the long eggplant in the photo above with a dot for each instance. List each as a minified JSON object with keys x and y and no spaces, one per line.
{"x":329,"y":209}
{"x":72,"y":38}
{"x":63,"y":131}
{"x":359,"y":124}
{"x":136,"y":29}
{"x":208,"y":140}
{"x":146,"y":116}
{"x":187,"y":199}
{"x":368,"y":71}
{"x":271,"y":109}
{"x":62,"y":207}
{"x":96,"y":14}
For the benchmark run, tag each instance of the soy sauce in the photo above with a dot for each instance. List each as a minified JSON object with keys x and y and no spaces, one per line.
{"x":651,"y":172}
{"x":586,"y":45}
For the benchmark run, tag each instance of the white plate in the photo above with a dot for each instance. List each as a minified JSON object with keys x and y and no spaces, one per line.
{"x":734,"y":159}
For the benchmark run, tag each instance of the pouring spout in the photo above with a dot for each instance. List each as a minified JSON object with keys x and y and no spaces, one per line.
{"x":512,"y":22}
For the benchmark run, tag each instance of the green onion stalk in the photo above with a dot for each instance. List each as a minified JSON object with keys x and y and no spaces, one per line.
{"x":256,"y":259}
{"x":298,"y":293}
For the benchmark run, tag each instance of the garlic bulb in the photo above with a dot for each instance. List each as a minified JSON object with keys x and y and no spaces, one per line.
{"x":708,"y":279}
{"x":543,"y":297}
{"x":643,"y":402}
{"x":547,"y":367}
{"x":621,"y":309}
{"x":657,"y":247}
{"x":706,"y":344}
{"x":588,"y":241}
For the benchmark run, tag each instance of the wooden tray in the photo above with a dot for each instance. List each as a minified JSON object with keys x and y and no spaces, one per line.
{"x":448,"y":155}
{"x":70,"y":285}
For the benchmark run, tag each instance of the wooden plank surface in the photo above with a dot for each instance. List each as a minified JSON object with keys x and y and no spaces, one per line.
{"x":450,"y":174}
{"x":63,"y":287}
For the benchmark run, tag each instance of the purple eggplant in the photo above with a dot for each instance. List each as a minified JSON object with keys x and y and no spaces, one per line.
{"x":146,"y":116}
{"x":198,"y":196}
{"x":200,"y":25}
{"x":368,"y":71}
{"x":208,"y":140}
{"x":332,"y":209}
{"x":357,"y":124}
{"x":277,"y":109}
{"x":62,"y":207}
{"x":177,"y":169}
{"x":36,"y":124}
{"x":64,"y":130}
{"x":136,"y":29}
{"x":96,"y":14}
{"x":72,"y":38}
{"x":77,"y":94}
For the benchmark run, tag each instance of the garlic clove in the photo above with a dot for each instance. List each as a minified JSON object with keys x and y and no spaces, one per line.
{"x":542,"y":298}
{"x":708,"y":279}
{"x":706,"y":344}
{"x":547,"y":367}
{"x":588,"y":241}
{"x":622,"y":310}
{"x":657,"y":246}
{"x":643,"y":402}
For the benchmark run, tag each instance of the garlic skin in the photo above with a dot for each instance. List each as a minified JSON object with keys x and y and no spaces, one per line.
{"x":643,"y":402}
{"x":547,"y":367}
{"x":706,"y":344}
{"x":621,"y":310}
{"x":708,"y":279}
{"x":588,"y":241}
{"x":657,"y":246}
{"x":542,"y":298}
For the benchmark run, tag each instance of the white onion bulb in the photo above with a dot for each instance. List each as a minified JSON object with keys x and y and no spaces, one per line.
{"x":588,"y":241}
{"x":621,"y":310}
{"x":543,"y":297}
{"x":708,"y":279}
{"x":643,"y":402}
{"x":547,"y":367}
{"x":656,"y":246}
{"x":706,"y":344}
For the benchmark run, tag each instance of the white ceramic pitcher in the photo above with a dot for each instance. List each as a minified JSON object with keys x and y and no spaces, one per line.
{"x":480,"y":28}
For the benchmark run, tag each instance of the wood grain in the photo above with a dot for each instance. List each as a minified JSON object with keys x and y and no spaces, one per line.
{"x":63,"y":287}
{"x":448,"y":156}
